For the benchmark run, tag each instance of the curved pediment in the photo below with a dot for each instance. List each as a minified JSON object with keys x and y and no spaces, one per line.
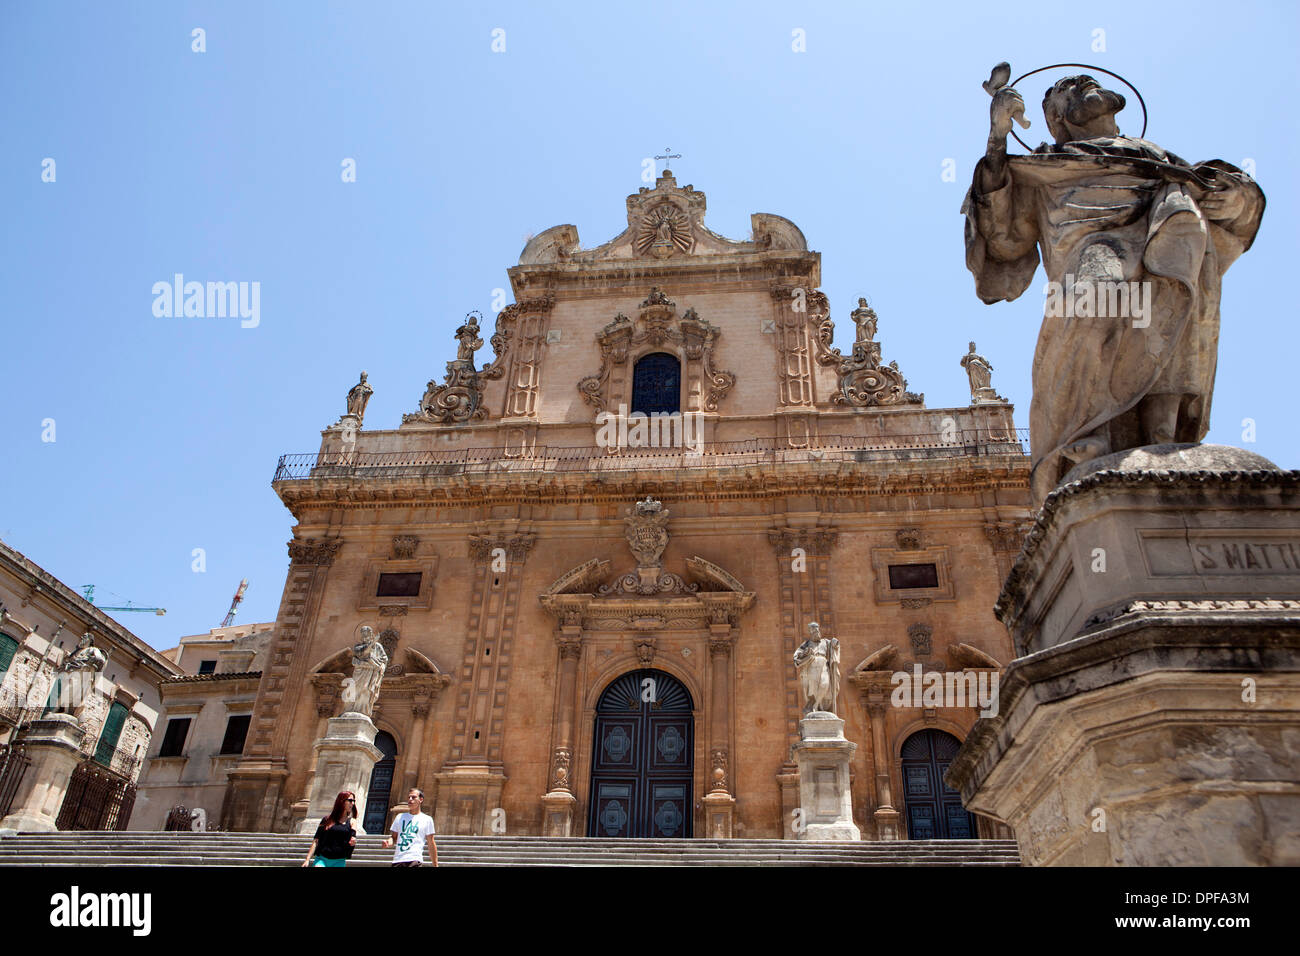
{"x":666,"y":222}
{"x":882,"y":659}
{"x":337,"y":663}
{"x":711,"y":577}
{"x":580,"y":580}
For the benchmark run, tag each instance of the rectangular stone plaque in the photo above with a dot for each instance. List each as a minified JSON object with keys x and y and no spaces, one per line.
{"x":1225,"y":553}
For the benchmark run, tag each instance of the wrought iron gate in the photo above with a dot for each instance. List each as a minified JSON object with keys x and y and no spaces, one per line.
{"x":13,"y":764}
{"x":97,"y":799}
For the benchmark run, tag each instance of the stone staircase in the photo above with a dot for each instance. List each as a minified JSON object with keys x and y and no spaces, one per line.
{"x":144,"y":848}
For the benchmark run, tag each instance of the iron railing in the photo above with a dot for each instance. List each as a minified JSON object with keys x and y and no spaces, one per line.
{"x":13,"y":764}
{"x":1006,"y":443}
{"x":96,"y":799}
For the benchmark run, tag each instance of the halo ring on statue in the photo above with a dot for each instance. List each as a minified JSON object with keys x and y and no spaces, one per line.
{"x":1087,"y":66}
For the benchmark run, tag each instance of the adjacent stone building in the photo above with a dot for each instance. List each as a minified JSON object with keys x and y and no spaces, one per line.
{"x":115,"y":708}
{"x":592,"y":558}
{"x":203,"y":726}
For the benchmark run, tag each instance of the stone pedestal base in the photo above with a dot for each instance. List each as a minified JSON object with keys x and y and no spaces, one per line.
{"x":887,"y":826}
{"x":825,"y":799}
{"x":719,"y":814}
{"x":557,"y":813}
{"x":52,"y":744}
{"x":467,"y":800}
{"x":345,"y":758}
{"x":1153,"y":718}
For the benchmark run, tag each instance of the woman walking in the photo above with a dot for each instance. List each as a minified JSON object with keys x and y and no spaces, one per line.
{"x":335,"y":837}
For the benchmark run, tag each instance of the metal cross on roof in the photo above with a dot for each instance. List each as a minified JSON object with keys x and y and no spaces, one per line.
{"x":669,"y":155}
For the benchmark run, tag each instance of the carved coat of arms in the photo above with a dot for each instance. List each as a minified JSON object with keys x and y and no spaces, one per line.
{"x":647,"y":532}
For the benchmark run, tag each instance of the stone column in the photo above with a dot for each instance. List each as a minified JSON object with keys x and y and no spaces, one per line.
{"x":886,"y":816}
{"x":825,"y":797}
{"x":719,"y":804}
{"x":420,"y":706}
{"x":53,"y":745}
{"x":558,"y":804}
{"x":345,"y":758}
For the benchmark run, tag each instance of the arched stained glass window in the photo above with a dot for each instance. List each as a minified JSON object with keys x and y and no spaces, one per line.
{"x":657,"y":384}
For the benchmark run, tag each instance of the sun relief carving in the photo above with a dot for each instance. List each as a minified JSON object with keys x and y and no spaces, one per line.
{"x":664,"y":231}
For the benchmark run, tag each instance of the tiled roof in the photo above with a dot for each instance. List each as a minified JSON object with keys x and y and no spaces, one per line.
{"x":192,"y":678}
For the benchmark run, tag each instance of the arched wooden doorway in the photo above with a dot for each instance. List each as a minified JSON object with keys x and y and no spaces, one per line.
{"x":934,"y":810}
{"x":644,"y":760}
{"x":379,"y":792}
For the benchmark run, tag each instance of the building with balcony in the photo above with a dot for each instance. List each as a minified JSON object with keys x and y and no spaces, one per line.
{"x":592,"y":558}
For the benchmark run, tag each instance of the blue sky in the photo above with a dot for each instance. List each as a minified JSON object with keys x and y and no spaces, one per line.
{"x":225,"y":165}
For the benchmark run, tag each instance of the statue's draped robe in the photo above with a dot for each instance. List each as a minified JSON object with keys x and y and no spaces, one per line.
{"x":1115,"y":209}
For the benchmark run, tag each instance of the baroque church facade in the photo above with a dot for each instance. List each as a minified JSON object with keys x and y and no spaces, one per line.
{"x":592,"y":558}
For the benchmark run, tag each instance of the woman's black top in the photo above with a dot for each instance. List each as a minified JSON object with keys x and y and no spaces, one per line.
{"x":333,"y":843}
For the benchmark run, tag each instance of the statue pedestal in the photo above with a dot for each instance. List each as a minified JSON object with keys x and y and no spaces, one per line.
{"x":887,"y":825}
{"x":719,"y":815}
{"x":345,"y":758}
{"x":52,"y":745}
{"x":823,"y":756}
{"x":1153,"y":714}
{"x":557,"y":813}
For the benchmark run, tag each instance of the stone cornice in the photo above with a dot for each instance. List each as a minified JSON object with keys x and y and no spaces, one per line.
{"x":130,"y":651}
{"x":1164,"y":481}
{"x":1152,"y":638}
{"x":759,"y":268}
{"x":829,"y":479}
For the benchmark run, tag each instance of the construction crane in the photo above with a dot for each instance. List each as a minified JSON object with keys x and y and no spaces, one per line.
{"x":89,"y":591}
{"x":234,"y":604}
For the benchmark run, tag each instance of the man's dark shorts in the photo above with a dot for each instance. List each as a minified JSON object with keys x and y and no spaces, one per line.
{"x":410,"y":863}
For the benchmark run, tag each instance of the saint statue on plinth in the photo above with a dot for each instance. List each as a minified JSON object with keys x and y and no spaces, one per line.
{"x":369,"y":661}
{"x":817,"y":661}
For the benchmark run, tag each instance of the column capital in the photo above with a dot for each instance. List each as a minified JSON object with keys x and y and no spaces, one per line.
{"x":813,"y":540}
{"x":319,"y":552}
{"x":515,"y":546}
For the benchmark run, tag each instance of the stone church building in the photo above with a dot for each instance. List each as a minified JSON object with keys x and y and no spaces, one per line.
{"x":591,"y":558}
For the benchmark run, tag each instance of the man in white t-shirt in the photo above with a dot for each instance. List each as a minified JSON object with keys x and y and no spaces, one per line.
{"x":410,"y":831}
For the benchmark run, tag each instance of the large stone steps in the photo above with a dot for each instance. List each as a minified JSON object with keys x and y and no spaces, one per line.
{"x":134,"y":848}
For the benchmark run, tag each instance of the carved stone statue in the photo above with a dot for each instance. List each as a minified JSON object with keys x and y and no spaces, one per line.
{"x":817,"y":662}
{"x":1135,"y":242}
{"x":369,"y":661}
{"x":460,"y":397}
{"x":358,"y":398}
{"x":467,"y":340}
{"x":87,"y":657}
{"x":980,"y":372}
{"x":865,"y":319}
{"x":76,"y":676}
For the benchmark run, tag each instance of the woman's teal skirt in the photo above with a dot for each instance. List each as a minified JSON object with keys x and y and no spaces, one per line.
{"x":324,"y":861}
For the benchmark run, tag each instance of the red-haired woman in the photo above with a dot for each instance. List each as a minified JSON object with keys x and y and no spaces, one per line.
{"x":335,"y":837}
